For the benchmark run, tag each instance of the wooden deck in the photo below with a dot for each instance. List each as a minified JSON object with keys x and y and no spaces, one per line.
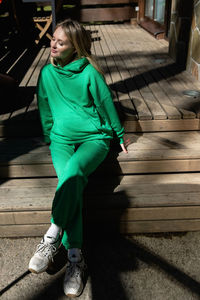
{"x":156,"y":187}
{"x":148,"y":86}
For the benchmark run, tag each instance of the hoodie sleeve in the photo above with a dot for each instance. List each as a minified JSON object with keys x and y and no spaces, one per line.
{"x":44,"y":109}
{"x":102,"y":96}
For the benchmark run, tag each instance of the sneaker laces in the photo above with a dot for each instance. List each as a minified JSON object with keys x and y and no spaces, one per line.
{"x":46,"y":249}
{"x":75,"y":269}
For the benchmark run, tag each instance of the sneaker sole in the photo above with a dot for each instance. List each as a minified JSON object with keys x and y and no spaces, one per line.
{"x":72,"y":296}
{"x":37,"y":272}
{"x":76,"y":295}
{"x":44,"y":269}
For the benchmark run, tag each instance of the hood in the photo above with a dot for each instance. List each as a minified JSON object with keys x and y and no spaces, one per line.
{"x":72,"y":68}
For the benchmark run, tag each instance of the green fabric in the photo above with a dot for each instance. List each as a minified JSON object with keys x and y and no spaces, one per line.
{"x":73,"y":165}
{"x":76,"y":104}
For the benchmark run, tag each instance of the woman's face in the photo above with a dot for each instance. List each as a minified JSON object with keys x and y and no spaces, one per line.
{"x":61,"y":48}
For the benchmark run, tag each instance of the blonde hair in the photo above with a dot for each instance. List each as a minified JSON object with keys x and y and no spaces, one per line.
{"x":80,"y":40}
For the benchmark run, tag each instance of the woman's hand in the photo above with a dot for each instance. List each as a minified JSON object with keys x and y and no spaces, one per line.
{"x":124,"y":146}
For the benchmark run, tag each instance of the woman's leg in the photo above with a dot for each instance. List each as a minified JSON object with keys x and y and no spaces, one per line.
{"x":72,"y":174}
{"x":48,"y":246}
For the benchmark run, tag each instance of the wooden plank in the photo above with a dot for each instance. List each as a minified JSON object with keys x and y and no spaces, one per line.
{"x":138,"y":102}
{"x":144,"y":214}
{"x":160,"y":226}
{"x":161,"y":96}
{"x":104,"y":2}
{"x":164,"y":85}
{"x":107,"y":14}
{"x":179,"y":85}
{"x":27,"y":171}
{"x":174,"y":96}
{"x":189,"y":179}
{"x":178,"y":88}
{"x":114,"y":72}
{"x":9,"y":59}
{"x":152,"y":103}
{"x":123,"y":227}
{"x":32,"y":108}
{"x":98,"y":51}
{"x":31,"y":70}
{"x":24,"y":217}
{"x":159,"y":166}
{"x":161,"y":125}
{"x":42,"y":61}
{"x":34,"y":128}
{"x":129,"y":190}
{"x":134,"y":154}
{"x":23,"y":230}
{"x":107,"y":215}
{"x":29,"y":77}
{"x":122,"y":200}
{"x":111,"y":200}
{"x":122,"y":192}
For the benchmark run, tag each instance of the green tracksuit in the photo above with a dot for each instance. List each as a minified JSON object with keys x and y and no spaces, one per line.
{"x":79,"y":119}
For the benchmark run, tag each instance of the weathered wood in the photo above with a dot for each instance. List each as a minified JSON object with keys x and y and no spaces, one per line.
{"x":163,"y":190}
{"x":33,"y":67}
{"x":174,"y":96}
{"x":160,"y":226}
{"x":138,"y":154}
{"x":140,"y":203}
{"x":152,"y":188}
{"x":161,"y":125}
{"x":107,"y":14}
{"x":23,"y":230}
{"x":98,"y":52}
{"x":107,"y":215}
{"x":142,"y":109}
{"x":103,"y":2}
{"x":152,"y":103}
{"x":123,"y":227}
{"x":113,"y":69}
{"x":123,"y":167}
{"x":148,"y":153}
{"x":33,"y":128}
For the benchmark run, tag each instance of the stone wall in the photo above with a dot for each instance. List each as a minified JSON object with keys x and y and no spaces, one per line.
{"x":184,"y":41}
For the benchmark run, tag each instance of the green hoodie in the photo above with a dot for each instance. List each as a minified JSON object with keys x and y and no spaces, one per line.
{"x":76,"y":104}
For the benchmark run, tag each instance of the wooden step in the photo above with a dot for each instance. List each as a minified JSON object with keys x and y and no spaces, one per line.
{"x":134,"y":203}
{"x":159,"y":152}
{"x":28,"y":125}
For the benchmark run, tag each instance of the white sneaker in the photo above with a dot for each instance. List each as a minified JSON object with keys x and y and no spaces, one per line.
{"x":73,"y":280}
{"x":44,"y":254}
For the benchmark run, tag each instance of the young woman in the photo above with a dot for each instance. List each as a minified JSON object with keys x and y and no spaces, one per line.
{"x":79,"y":119}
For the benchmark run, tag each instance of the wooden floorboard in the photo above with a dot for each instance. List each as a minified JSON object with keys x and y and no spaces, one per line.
{"x":147,"y":85}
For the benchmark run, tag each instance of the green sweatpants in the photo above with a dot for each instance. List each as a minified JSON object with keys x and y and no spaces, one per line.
{"x":73,"y":164}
